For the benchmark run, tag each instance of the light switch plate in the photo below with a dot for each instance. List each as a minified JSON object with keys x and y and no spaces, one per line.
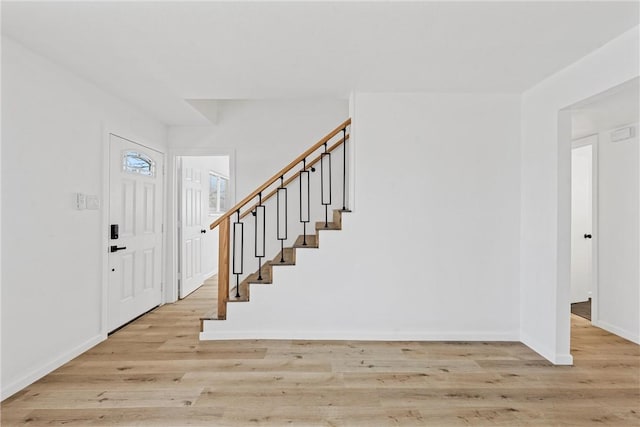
{"x":93,"y":203}
{"x":81,"y":201}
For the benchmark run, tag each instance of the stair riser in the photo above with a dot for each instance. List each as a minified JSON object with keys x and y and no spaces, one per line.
{"x":337,"y":217}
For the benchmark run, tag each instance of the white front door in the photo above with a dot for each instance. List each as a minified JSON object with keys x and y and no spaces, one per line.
{"x":581,"y":223}
{"x":194,"y":226}
{"x":135,"y":245}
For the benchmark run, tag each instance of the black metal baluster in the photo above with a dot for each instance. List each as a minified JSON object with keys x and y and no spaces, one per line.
{"x":259,"y":214}
{"x":325,"y":174}
{"x":304,"y":207}
{"x":282,"y":212}
{"x":344,"y":168}
{"x":238,"y":259}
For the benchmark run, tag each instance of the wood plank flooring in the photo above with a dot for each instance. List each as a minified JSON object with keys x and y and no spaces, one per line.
{"x":155,"y":372}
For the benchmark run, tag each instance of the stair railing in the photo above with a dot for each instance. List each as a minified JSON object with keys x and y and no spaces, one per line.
{"x":258,"y":210}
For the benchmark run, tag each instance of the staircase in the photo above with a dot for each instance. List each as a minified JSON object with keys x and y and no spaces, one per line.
{"x":270,"y":202}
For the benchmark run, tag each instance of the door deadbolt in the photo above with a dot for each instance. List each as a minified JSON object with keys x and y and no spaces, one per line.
{"x":114,"y":231}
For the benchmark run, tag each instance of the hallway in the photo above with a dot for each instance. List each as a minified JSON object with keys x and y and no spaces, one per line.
{"x":155,"y":372}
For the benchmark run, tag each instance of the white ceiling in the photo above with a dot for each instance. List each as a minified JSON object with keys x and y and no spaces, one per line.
{"x":158,"y":54}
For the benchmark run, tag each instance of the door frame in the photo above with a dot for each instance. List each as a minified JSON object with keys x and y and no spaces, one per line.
{"x":109,"y":130}
{"x":576,"y":143}
{"x":171,"y":291}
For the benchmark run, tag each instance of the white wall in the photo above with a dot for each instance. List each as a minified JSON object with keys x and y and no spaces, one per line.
{"x":546,"y":176}
{"x":52,"y":142}
{"x":432,"y":251}
{"x":1,"y":274}
{"x":265,"y":135}
{"x":218,"y":164}
{"x":618,"y":237}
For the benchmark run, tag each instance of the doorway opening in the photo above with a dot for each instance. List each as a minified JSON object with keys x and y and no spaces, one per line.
{"x":582,"y":207}
{"x":605,"y":217}
{"x":204,"y":193}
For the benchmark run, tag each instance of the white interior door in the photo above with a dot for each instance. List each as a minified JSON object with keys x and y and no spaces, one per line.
{"x":136,"y":246}
{"x":193,"y":218}
{"x":581,"y":223}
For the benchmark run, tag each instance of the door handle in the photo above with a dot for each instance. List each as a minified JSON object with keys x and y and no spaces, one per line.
{"x":587,"y":236}
{"x":115,"y":248}
{"x":203,"y":231}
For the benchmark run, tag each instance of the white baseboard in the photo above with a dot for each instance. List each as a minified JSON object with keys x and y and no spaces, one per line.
{"x":209,"y":334}
{"x":547,"y":353}
{"x":36,"y":374}
{"x":563,"y":359}
{"x":617,"y":331}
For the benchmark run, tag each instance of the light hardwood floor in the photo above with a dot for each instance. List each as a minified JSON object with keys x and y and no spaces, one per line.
{"x":155,"y":372}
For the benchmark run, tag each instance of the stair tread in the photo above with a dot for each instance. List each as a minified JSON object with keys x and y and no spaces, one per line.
{"x":289,"y":257}
{"x":210,"y":315}
{"x":277,"y":261}
{"x":312,"y":242}
{"x":244,"y":296}
{"x":253,"y":278}
{"x":245,"y":285}
{"x":330,"y":226}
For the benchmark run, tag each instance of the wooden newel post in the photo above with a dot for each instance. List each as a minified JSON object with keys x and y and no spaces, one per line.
{"x":223,"y":268}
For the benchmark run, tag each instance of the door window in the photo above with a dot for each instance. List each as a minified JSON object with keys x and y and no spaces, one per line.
{"x":135,"y":162}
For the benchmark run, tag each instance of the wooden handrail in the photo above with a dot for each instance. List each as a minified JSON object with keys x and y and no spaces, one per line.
{"x":283,"y":171}
{"x":293,"y":177}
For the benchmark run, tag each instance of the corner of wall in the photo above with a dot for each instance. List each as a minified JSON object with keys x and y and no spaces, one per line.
{"x":545,"y":351}
{"x":545,"y":166}
{"x":352,"y":153}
